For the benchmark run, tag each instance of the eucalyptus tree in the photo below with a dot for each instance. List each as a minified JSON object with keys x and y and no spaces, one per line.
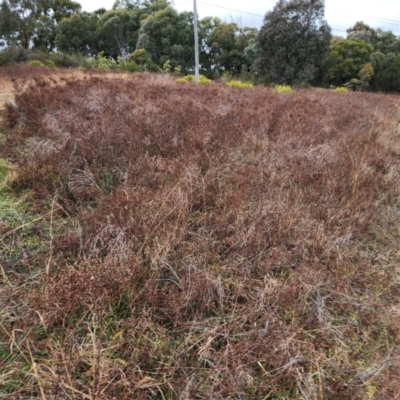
{"x":33,"y":23}
{"x":223,"y":45}
{"x":117,"y":32}
{"x":168,"y":36}
{"x":77,"y":34}
{"x":345,"y":61}
{"x":293,"y":42}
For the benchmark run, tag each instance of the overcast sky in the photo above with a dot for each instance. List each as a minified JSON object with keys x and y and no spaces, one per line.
{"x":340,"y":14}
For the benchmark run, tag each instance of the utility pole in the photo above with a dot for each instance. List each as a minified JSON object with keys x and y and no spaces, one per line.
{"x":196,"y":43}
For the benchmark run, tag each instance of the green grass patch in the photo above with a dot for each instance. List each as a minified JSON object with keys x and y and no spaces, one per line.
{"x":24,"y":235}
{"x":3,"y":174}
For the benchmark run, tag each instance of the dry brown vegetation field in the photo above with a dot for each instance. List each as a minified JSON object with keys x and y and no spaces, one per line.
{"x":189,"y":242}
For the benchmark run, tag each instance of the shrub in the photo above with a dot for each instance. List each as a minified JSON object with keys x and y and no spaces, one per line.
{"x":5,"y":59}
{"x":354,"y":84}
{"x":240,"y":84}
{"x":205,"y":81}
{"x":185,"y":79}
{"x":50,"y":63}
{"x":16,"y":55}
{"x":132,"y":67}
{"x":283,"y":89}
{"x":143,"y":59}
{"x":88,"y":63}
{"x":105,"y":62}
{"x":227,"y":76}
{"x":341,"y":89}
{"x":191,"y":78}
{"x":65,"y":60}
{"x":304,"y":85}
{"x":180,"y":80}
{"x":7,"y":56}
{"x":36,"y":63}
{"x":167,"y":67}
{"x":177,"y":70}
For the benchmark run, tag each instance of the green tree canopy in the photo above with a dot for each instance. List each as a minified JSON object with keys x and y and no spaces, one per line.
{"x":64,"y":9}
{"x":228,"y":43}
{"x":167,"y":35}
{"x":362,"y":31}
{"x":206,"y":27}
{"x":148,"y":7}
{"x":345,"y":61}
{"x":9,"y":24}
{"x":117,"y":32}
{"x":27,"y":23}
{"x":118,"y":29}
{"x":77,"y":34}
{"x":293,"y":42}
{"x":387,"y":73}
{"x":251,"y":54}
{"x":382,"y":41}
{"x":222,"y":46}
{"x":386,"y":42}
{"x":33,"y":23}
{"x":142,"y":58}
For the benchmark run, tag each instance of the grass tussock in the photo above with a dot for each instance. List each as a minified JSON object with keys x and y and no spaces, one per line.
{"x":203,"y":80}
{"x":240,"y":84}
{"x":341,"y":89}
{"x":203,"y":243}
{"x":285,"y":89}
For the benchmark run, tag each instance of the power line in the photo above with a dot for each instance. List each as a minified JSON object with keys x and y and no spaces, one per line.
{"x":377,"y":19}
{"x":374,"y":19}
{"x":231,"y":9}
{"x":244,"y":12}
{"x":383,"y":21}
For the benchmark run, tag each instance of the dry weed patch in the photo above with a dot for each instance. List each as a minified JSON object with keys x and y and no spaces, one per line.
{"x":203,"y":243}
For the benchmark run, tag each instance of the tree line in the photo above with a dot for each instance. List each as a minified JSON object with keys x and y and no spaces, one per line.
{"x":294,"y":46}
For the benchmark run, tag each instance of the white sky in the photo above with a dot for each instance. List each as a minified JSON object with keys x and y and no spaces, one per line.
{"x":340,"y":14}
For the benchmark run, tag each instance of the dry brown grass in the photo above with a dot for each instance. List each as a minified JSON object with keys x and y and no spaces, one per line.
{"x":6,"y":93}
{"x":203,"y":243}
{"x":26,"y":74}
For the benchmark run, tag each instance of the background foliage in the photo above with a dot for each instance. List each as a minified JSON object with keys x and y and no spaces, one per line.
{"x":294,"y":46}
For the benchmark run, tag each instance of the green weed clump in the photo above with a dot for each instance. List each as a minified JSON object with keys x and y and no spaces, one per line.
{"x":341,"y":89}
{"x":285,"y":89}
{"x":104,"y":62}
{"x":50,"y":63}
{"x":3,"y":174}
{"x":191,"y":78}
{"x":208,"y":243}
{"x":240,"y":84}
{"x":185,"y":79}
{"x":36,"y":63}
